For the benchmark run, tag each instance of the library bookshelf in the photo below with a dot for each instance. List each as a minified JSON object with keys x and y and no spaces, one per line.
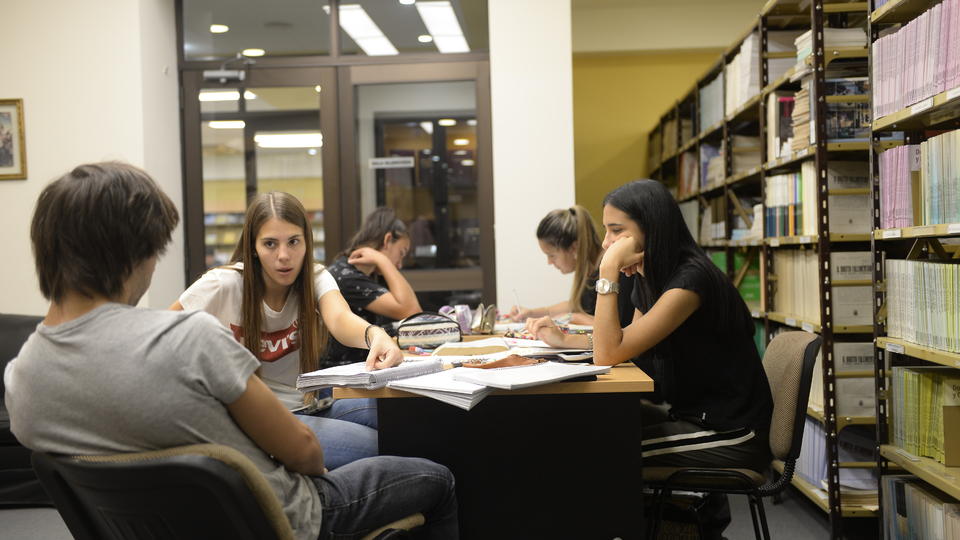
{"x":927,"y":111}
{"x":721,"y":165}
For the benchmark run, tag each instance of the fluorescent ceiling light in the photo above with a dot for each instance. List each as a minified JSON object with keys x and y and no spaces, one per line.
{"x":443,"y":25}
{"x":460,"y":153}
{"x":428,"y":127}
{"x":317,"y":88}
{"x":225,"y":95}
{"x":361,"y":29}
{"x":253,"y":52}
{"x":472,"y":122}
{"x":226,"y":124}
{"x":447,"y":122}
{"x":461,"y":142}
{"x":295,"y":139}
{"x":467,"y":163}
{"x":407,"y":2}
{"x":425,"y":38}
{"x":219,"y":28}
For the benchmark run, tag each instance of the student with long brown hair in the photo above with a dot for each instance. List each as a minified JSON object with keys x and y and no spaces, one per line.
{"x":569,"y":239}
{"x":368,"y":274}
{"x":273,"y":289}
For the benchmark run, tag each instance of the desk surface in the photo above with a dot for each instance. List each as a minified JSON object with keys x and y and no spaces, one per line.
{"x":622,"y":378}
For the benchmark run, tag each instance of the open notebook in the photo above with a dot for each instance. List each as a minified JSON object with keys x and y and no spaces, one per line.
{"x":356,"y":375}
{"x":512,"y":378}
{"x":444,"y":387}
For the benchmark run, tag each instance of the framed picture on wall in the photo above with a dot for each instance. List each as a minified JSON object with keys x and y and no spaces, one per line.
{"x":13,"y":151}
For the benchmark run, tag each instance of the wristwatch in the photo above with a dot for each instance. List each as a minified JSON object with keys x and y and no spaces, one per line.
{"x":605,"y":286}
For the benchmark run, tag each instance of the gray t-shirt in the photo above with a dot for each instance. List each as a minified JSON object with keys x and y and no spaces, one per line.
{"x":121,"y":379}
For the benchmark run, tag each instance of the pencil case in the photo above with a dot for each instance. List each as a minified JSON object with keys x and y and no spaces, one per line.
{"x":427,"y":330}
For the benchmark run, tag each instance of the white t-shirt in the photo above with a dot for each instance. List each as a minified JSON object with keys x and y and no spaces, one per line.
{"x":220,"y":293}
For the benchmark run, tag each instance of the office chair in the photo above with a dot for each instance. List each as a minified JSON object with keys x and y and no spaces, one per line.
{"x":788,"y":363}
{"x":195,"y":491}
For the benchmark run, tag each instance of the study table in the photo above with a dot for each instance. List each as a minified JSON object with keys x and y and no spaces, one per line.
{"x":554,"y":461}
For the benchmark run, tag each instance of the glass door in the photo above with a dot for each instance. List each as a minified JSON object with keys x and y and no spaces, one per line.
{"x":253,"y":138}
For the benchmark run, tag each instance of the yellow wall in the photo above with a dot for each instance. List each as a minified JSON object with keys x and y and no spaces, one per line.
{"x":617,"y":99}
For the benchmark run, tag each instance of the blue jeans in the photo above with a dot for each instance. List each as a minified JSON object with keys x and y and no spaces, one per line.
{"x":370,"y":493}
{"x":361,"y":411}
{"x":342,"y":441}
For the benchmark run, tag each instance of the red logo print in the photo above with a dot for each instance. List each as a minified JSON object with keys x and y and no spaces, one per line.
{"x":273,"y":345}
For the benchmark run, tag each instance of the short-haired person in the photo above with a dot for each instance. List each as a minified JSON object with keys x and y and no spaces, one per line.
{"x":273,"y":289}
{"x":368,"y":273}
{"x":100,"y":376}
{"x":569,"y":239}
{"x":689,"y":315}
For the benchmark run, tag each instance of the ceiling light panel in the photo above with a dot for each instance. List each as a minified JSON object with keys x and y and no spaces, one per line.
{"x":441,"y":21}
{"x":297,"y":139}
{"x":360,"y":27}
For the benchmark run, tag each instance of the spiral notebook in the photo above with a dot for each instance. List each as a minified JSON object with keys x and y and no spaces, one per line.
{"x":356,"y":375}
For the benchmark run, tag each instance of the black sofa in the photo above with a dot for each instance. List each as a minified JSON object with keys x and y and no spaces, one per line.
{"x":18,"y":483}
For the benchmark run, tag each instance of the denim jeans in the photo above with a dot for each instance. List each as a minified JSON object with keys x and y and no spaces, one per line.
{"x":342,"y":441}
{"x":361,"y":411}
{"x":370,"y":493}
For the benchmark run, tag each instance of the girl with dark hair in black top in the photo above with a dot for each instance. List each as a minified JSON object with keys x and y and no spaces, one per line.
{"x":691,"y":318}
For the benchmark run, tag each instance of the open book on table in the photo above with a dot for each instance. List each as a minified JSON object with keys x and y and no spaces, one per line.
{"x":356,"y":375}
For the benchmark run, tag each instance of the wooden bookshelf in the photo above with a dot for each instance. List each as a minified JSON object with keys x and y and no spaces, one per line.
{"x":946,"y":479}
{"x":777,"y":241}
{"x":898,"y":11}
{"x":926,"y":113}
{"x":750,"y":106}
{"x":777,"y":83}
{"x":936,"y":356}
{"x":819,"y":497}
{"x":922,"y":231}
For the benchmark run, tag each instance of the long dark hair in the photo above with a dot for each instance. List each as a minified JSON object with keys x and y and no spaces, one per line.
{"x":381,"y":221}
{"x":669,"y":244}
{"x":313,"y":333}
{"x":561,"y":228}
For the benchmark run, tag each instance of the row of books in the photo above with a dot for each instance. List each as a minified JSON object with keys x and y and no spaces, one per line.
{"x":713,"y":221}
{"x":854,"y":443}
{"x":940,"y":178}
{"x":856,"y":396}
{"x":899,"y":169}
{"x":711,"y":102}
{"x":742,"y":73}
{"x":687,"y":176}
{"x":925,"y":400}
{"x":923,"y":303}
{"x":919,"y":60}
{"x":832,"y":38}
{"x":914,"y":510}
{"x":796,"y":292}
{"x":712,"y":170}
{"x":791,"y":200}
{"x":751,"y":287}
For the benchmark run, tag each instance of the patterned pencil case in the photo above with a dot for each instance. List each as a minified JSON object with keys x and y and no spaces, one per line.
{"x":427,"y":330}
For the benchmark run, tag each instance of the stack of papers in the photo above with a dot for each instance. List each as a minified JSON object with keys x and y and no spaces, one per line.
{"x":444,"y":386}
{"x":356,"y":375}
{"x":512,"y":378}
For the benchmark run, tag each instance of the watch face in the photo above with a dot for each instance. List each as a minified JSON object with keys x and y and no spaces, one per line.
{"x":603,"y":286}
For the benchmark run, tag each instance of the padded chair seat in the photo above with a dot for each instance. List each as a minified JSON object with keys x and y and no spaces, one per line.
{"x":659,"y":475}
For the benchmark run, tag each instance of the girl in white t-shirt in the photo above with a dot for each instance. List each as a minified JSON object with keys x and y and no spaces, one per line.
{"x":274,"y":290}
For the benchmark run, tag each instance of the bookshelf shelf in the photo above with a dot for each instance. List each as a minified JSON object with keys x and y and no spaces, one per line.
{"x":783,"y":7}
{"x":750,"y":106}
{"x":845,"y":7}
{"x":936,"y":356}
{"x":746,"y":243}
{"x":689,"y":197}
{"x":853,"y":329}
{"x":842,"y":421}
{"x":711,"y":130}
{"x":922,"y":231}
{"x":667,"y":159}
{"x":792,"y":158}
{"x":926,"y":113}
{"x":777,"y":83}
{"x":898,"y":11}
{"x":852,"y":283}
{"x":849,"y":237}
{"x":790,"y":320}
{"x":715,"y":244}
{"x":946,"y":479}
{"x":850,"y":191}
{"x":745,"y":175}
{"x":710,"y":189}
{"x":778,"y":241}
{"x":688,"y":145}
{"x":819,"y":497}
{"x":758,"y":315}
{"x":852,"y":98}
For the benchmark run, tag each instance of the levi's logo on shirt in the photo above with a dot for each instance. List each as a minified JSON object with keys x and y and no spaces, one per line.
{"x":273,"y":345}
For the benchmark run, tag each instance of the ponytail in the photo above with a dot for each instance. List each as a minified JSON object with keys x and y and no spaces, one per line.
{"x":562,"y":228}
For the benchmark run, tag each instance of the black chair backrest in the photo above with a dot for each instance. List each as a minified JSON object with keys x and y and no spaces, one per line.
{"x":181,"y":496}
{"x":14,"y":330}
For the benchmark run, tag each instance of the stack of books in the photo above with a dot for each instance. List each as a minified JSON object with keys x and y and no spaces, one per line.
{"x":917,"y":61}
{"x":855,"y":443}
{"x":357,"y":375}
{"x":832,"y":38}
{"x":803,"y":135}
{"x":711,"y":103}
{"x":922,"y":303}
{"x":791,"y":202}
{"x":796,"y":294}
{"x":688,"y":180}
{"x":742,"y":75}
{"x":913,"y":509}
{"x":745,"y":153}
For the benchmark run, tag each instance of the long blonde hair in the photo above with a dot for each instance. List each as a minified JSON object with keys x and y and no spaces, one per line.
{"x":313,"y":333}
{"x":562,"y":228}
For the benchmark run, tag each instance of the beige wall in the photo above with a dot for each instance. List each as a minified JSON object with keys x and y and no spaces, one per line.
{"x":617,"y":98}
{"x":98,"y":82}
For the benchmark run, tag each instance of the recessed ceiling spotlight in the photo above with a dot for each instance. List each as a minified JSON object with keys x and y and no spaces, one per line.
{"x":317,"y":88}
{"x":407,"y":2}
{"x":472,"y":122}
{"x":425,"y":38}
{"x":461,"y":142}
{"x":219,"y":28}
{"x":253,"y":52}
{"x":447,"y":122}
